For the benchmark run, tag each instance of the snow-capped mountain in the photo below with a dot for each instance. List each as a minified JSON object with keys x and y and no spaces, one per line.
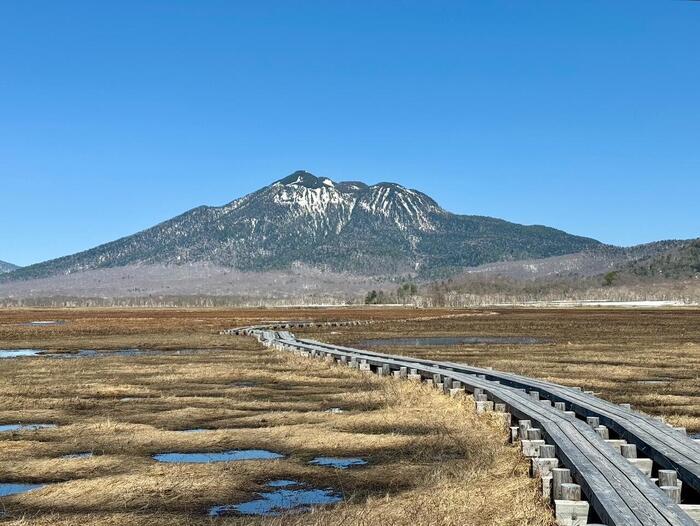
{"x":382,"y":229}
{"x":7,"y":267}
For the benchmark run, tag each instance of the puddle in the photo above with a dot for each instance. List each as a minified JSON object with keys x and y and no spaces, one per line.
{"x":7,"y":489}
{"x":74,"y":456}
{"x":44,"y":323}
{"x":18,"y":353}
{"x":224,"y":456}
{"x":334,"y":410}
{"x":654,"y":382}
{"x":92,"y":353}
{"x":337,"y":462}
{"x":451,"y":340}
{"x":274,"y":503}
{"x":85,"y":353}
{"x":4,"y":428}
{"x":195,"y":430}
{"x":66,"y":355}
{"x":126,"y":352}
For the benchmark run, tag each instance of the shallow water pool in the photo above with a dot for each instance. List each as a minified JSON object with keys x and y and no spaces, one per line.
{"x":44,"y":323}
{"x":7,"y":489}
{"x":274,"y":503}
{"x":6,"y":428}
{"x":19,"y":353}
{"x":223,"y":456}
{"x":338,"y":462}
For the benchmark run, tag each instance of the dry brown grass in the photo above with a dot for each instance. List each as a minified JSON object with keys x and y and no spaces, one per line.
{"x":430,"y":459}
{"x":114,"y":328}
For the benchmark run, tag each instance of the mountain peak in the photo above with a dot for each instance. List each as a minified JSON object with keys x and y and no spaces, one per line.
{"x":306,"y":180}
{"x":389,"y":185}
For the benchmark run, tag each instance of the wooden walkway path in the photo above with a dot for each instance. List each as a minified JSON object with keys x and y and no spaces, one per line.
{"x":666,"y":446}
{"x":571,"y":423}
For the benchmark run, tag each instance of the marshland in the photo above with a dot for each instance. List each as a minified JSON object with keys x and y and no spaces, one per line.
{"x":138,"y":416}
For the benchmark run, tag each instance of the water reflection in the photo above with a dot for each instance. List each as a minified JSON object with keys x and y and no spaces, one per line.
{"x":274,"y":503}
{"x":223,"y":456}
{"x":19,"y":353}
{"x":7,"y":489}
{"x":338,"y":462}
{"x":5,"y":428}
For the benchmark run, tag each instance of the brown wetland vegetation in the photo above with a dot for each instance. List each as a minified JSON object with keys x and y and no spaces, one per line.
{"x":430,"y":459}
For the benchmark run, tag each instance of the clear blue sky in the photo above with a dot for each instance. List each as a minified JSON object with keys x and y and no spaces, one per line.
{"x":117,"y":115}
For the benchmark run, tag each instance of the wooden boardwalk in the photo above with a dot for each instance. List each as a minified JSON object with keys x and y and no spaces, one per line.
{"x":666,"y":446}
{"x":617,"y":492}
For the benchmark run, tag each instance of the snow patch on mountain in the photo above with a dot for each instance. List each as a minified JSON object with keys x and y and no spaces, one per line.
{"x":325,"y":201}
